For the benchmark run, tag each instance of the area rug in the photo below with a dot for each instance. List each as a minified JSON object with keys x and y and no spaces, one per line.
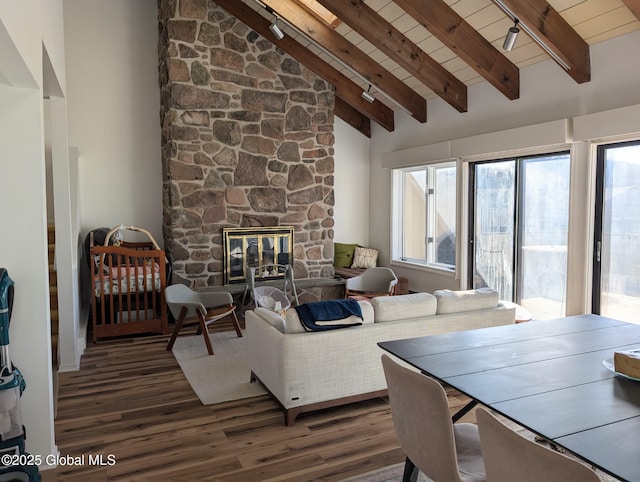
{"x":220,"y":377}
{"x":392,"y":473}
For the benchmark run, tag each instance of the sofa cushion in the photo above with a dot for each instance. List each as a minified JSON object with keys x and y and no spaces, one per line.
{"x":343,"y":254}
{"x":459,"y":301}
{"x":392,"y":308}
{"x":294,"y":325}
{"x":271,"y":317}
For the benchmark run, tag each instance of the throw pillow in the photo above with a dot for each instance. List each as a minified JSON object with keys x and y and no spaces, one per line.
{"x":343,"y":255}
{"x":364,"y":257}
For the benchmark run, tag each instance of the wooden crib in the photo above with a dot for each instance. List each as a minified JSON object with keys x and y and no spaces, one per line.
{"x":128,"y":283}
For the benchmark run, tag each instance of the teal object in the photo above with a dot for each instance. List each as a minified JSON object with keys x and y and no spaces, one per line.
{"x":6,"y":300}
{"x":9,"y":376}
{"x":12,"y":384}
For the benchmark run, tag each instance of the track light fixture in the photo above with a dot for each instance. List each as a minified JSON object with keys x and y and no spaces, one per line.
{"x":275,"y":30}
{"x":512,"y":35}
{"x":367,"y":95}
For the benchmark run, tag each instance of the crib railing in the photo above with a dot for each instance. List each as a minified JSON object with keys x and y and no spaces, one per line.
{"x":128,"y":290}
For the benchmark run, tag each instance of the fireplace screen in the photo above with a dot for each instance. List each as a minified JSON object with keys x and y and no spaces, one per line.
{"x":246,"y":248}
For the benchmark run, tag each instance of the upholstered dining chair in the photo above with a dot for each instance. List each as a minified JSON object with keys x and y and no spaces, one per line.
{"x":203,"y":307}
{"x":508,"y":456}
{"x":437,"y":447}
{"x":376,"y":281}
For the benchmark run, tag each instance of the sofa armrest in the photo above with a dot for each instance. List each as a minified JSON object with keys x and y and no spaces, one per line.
{"x":304,"y":368}
{"x":265,"y":347}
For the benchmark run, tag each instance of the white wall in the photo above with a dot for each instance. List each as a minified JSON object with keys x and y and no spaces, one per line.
{"x":31,"y":45}
{"x":351,"y":212}
{"x":23,"y":252}
{"x":27,"y":28}
{"x":113,"y":107}
{"x":547,"y":93}
{"x":53,"y":39}
{"x":21,"y":46}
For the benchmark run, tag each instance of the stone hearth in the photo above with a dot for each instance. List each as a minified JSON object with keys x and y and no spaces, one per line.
{"x":247,"y":136}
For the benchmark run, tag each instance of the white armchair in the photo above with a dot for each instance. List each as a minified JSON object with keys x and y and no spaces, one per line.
{"x":377,"y":281}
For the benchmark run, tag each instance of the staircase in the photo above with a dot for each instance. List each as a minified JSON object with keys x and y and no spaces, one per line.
{"x":53,"y":293}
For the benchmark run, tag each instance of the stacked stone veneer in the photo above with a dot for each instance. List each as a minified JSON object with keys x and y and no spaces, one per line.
{"x":247,"y":135}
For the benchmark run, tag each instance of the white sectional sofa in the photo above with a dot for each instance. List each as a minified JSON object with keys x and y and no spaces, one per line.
{"x":306,"y":371}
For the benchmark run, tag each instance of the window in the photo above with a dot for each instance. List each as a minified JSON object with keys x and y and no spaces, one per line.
{"x":425,"y":215}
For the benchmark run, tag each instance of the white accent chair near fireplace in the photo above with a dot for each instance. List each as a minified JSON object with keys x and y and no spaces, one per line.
{"x":202,"y":307}
{"x":376,"y":281}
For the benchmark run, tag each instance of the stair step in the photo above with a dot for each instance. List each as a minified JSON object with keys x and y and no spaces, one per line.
{"x":51,"y":233}
{"x":54,"y":348}
{"x":53,"y":292}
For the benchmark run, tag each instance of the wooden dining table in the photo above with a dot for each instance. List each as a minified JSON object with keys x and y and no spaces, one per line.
{"x":549,"y":377}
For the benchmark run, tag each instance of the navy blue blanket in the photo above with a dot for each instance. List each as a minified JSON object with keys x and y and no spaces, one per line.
{"x":319,"y":315}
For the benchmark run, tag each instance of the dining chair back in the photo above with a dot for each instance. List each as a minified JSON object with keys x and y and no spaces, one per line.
{"x":509,"y":456}
{"x":420,"y":411}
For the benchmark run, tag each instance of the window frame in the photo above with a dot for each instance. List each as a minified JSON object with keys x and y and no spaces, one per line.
{"x":599,"y":218}
{"x":517,"y":269}
{"x":398,"y":215}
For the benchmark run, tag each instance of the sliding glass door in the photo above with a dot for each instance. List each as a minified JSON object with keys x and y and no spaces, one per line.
{"x":519,"y":227}
{"x":494,"y":238}
{"x":616,"y":280}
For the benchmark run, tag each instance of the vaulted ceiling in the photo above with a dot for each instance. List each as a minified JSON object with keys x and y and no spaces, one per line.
{"x":406,"y":52}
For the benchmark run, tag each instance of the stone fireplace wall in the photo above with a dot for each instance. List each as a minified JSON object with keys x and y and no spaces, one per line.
{"x":247,"y":135}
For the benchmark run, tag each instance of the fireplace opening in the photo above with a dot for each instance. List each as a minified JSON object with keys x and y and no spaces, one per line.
{"x":260,"y":248}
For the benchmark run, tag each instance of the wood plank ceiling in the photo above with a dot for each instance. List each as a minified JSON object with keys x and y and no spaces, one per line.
{"x":406,"y":52}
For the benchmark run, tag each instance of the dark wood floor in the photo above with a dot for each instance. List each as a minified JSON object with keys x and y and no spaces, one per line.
{"x":131,"y":401}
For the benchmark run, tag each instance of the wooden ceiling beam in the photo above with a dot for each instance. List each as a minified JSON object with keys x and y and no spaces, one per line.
{"x":399,"y":48}
{"x":350,"y":55}
{"x":352,"y":117}
{"x":634,"y":6}
{"x":346,"y":89}
{"x":352,"y":95}
{"x":556,"y":33}
{"x":453,"y":31}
